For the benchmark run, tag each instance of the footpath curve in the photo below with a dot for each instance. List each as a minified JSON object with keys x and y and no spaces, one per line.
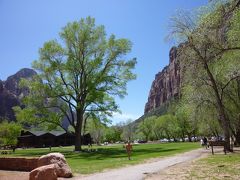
{"x":139,"y":171}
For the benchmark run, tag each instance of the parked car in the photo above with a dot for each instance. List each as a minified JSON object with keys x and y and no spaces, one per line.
{"x":142,"y":141}
{"x":163,"y":140}
{"x":105,"y":143}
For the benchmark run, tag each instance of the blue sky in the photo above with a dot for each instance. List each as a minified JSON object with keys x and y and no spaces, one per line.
{"x":27,"y":24}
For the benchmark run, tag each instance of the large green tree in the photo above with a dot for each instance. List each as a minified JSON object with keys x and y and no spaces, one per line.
{"x":210,"y":39}
{"x":78,"y":76}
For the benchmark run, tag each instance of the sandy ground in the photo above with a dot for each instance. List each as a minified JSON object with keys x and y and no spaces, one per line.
{"x":13,"y":175}
{"x":174,"y":167}
{"x":180,"y":171}
{"x":185,"y":170}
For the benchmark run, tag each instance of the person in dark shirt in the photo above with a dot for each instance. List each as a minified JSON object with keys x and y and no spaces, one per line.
{"x":205,"y":142}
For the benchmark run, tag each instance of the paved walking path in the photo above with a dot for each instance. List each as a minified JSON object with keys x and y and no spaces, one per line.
{"x":138,"y":172}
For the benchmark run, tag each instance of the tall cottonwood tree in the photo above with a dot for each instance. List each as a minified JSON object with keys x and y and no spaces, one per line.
{"x":209,"y":39}
{"x":78,"y":77}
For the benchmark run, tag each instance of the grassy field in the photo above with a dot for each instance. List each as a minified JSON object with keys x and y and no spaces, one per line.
{"x":211,"y":167}
{"x":106,"y":157}
{"x":218,"y":166}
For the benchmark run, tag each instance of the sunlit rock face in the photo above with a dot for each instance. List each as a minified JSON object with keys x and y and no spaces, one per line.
{"x":11,"y":93}
{"x":166,"y":84}
{"x":12,"y":82}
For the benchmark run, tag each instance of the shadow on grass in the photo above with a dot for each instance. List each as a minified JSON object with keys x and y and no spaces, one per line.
{"x":114,"y":153}
{"x":100,"y":154}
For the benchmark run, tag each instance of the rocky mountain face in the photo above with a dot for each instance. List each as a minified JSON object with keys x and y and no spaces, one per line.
{"x":166,"y":85}
{"x":11,"y":93}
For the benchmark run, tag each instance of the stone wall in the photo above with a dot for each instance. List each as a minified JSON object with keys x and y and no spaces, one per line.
{"x":18,"y":164}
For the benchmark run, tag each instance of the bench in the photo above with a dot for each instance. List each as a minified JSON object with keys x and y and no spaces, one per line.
{"x":218,"y":143}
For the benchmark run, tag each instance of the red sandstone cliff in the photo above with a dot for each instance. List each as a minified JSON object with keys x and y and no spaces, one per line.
{"x":166,"y":84}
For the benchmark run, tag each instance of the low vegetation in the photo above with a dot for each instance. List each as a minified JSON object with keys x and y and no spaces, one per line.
{"x":214,"y":167}
{"x":218,"y":166}
{"x":106,"y":157}
{"x":9,"y":131}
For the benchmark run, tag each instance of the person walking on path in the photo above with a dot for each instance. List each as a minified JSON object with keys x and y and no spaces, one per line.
{"x":205,"y":141}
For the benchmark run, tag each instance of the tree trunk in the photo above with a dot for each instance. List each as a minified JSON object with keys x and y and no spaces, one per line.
{"x":183,"y":137}
{"x":84,"y":125}
{"x":225,"y":122}
{"x":156,"y":135}
{"x":168,"y":137}
{"x":226,"y":131}
{"x":147,"y":138}
{"x":237,"y":137}
{"x":78,"y":140}
{"x":189,"y":138}
{"x":78,"y":131}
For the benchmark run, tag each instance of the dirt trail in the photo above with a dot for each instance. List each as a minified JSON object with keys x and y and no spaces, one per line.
{"x":140,"y":171}
{"x":13,"y":175}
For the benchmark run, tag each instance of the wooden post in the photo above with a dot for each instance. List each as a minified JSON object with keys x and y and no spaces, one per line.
{"x":225,"y":152}
{"x":212,"y":149}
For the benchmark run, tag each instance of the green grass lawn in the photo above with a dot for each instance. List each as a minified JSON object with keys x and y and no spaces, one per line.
{"x":218,"y":166}
{"x":106,"y":157}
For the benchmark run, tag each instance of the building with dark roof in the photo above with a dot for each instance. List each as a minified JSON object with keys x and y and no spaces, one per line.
{"x":49,"y":139}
